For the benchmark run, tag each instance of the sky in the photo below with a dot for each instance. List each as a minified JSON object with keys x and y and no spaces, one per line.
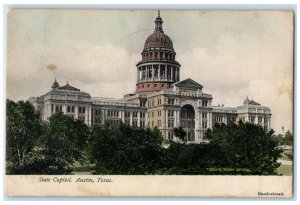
{"x":233,"y":54}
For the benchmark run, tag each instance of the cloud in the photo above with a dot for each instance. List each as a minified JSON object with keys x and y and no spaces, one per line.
{"x":232,"y":54}
{"x":101,"y":70}
{"x":51,"y":67}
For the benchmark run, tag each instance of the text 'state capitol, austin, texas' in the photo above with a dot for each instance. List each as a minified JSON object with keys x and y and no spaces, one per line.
{"x":160,"y":100}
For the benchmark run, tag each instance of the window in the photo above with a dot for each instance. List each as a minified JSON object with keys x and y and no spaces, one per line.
{"x":142,"y":104}
{"x":134,"y":123}
{"x":170,"y":123}
{"x":142,"y":124}
{"x":158,"y":101}
{"x":204,"y":125}
{"x":58,"y":108}
{"x":159,"y":113}
{"x":81,"y":109}
{"x":171,"y":101}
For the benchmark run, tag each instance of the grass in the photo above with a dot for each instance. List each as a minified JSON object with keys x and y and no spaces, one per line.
{"x":285,"y":170}
{"x":285,"y":157}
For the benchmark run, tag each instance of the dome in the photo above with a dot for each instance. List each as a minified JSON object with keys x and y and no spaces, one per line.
{"x":158,"y":40}
{"x":55,"y":84}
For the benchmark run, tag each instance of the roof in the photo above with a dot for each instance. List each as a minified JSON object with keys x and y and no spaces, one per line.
{"x":247,"y":101}
{"x":68,"y":87}
{"x":158,"y":39}
{"x":188,"y":83}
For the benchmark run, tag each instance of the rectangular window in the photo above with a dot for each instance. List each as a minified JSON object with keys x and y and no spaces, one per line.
{"x":81,"y":109}
{"x":170,"y":113}
{"x":171,"y":101}
{"x":170,"y":123}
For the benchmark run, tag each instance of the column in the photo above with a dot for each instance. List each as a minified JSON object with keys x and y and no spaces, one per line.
{"x":102,"y":117}
{"x":146,"y":119}
{"x":200,"y":119}
{"x":147,"y":72}
{"x":225,"y":120}
{"x":166,"y":118}
{"x":178,"y":117}
{"x":172,"y":73}
{"x":175,"y":118}
{"x":90,"y":116}
{"x":256,"y":119}
{"x":123,"y":116}
{"x":130,"y":123}
{"x":64,"y":109}
{"x":246,"y":118}
{"x":76,"y":112}
{"x":86,"y":121}
{"x":209,"y":120}
{"x":159,"y":71}
{"x":138,"y":74}
{"x":152,"y":72}
{"x":166,"y":72}
{"x":139,"y":119}
{"x":120,"y":114}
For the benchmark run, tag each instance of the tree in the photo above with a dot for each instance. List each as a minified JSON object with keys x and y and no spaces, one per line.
{"x":125,"y":150}
{"x":63,"y":143}
{"x":247,"y":146}
{"x":24,"y":128}
{"x":288,"y":138}
{"x":180,"y":133}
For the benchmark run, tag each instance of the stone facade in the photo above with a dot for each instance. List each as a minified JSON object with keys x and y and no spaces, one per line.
{"x":160,"y":100}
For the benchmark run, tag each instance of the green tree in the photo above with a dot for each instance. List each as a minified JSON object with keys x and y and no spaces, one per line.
{"x":247,"y":146}
{"x":125,"y":150}
{"x":63,"y":143}
{"x":24,"y":128}
{"x":288,"y":138}
{"x":180,"y":133}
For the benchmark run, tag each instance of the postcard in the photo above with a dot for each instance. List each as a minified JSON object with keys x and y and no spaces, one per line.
{"x":183,"y":103}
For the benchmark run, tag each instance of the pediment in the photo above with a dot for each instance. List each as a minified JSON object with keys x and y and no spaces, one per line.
{"x":188,"y":83}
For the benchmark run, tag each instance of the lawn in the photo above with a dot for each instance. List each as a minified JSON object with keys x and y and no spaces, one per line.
{"x":285,"y":170}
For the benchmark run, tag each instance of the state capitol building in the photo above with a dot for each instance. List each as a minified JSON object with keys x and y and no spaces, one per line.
{"x":161,"y":99}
